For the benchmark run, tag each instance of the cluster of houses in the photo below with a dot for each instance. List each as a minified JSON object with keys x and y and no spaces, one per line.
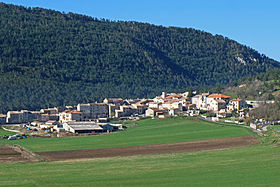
{"x":220,"y":104}
{"x":93,"y":117}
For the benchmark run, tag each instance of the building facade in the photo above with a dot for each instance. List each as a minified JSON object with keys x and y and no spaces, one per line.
{"x":93,"y":110}
{"x":68,"y":116}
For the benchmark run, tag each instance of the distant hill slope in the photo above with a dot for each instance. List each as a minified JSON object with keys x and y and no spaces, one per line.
{"x":49,"y":58}
{"x":264,"y":86}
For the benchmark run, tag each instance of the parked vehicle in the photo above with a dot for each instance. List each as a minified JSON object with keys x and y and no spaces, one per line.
{"x":12,"y":138}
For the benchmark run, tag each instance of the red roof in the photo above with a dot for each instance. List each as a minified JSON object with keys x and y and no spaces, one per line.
{"x":219,"y":96}
{"x":115,"y":99}
{"x":97,"y":104}
{"x":173,"y":96}
{"x":73,"y":112}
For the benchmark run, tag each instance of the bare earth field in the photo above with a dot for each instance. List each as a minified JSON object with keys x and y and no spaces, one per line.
{"x":9,"y":154}
{"x":188,"y":146}
{"x":16,"y":153}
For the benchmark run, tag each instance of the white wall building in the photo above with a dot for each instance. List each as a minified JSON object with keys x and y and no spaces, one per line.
{"x":94,"y":110}
{"x":236,"y":104}
{"x":67,"y":116}
{"x":200,"y":101}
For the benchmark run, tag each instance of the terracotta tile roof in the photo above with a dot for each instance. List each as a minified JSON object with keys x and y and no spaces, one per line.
{"x":97,"y":104}
{"x":115,"y":99}
{"x":173,"y":96}
{"x":72,"y":112}
{"x":145,"y":101}
{"x":75,"y":112}
{"x":51,"y":121}
{"x":44,"y":115}
{"x":219,"y":96}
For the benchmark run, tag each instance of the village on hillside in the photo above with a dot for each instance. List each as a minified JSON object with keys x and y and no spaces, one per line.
{"x":95,"y":117}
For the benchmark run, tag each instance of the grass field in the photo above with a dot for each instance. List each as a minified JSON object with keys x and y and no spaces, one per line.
{"x":149,"y":131}
{"x":257,"y":165}
{"x":7,"y":133}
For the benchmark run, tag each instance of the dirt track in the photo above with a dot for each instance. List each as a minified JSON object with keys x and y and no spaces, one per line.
{"x":189,"y":146}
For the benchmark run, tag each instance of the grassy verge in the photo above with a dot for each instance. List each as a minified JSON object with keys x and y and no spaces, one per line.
{"x":272,"y":136}
{"x":7,"y":133}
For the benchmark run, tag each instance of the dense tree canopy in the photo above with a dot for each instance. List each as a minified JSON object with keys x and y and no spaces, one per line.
{"x":49,"y":58}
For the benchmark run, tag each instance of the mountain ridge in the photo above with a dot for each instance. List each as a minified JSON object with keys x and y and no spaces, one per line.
{"x":76,"y":58}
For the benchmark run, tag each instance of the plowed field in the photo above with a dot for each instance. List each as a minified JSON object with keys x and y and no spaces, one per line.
{"x":8,"y":154}
{"x":188,"y":146}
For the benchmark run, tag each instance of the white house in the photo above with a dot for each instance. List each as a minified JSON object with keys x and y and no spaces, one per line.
{"x":216,"y":105}
{"x":154,"y":104}
{"x":236,"y":104}
{"x":218,"y":97}
{"x":152,"y":112}
{"x":125,"y":111}
{"x":173,"y":104}
{"x":67,"y":116}
{"x":94,"y":110}
{"x":200,"y":101}
{"x":22,"y":116}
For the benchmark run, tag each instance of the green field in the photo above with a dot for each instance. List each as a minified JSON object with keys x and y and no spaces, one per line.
{"x":7,"y":133}
{"x":257,"y":165}
{"x":149,"y":131}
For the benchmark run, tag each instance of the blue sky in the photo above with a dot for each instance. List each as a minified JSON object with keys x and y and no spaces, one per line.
{"x":254,"y":23}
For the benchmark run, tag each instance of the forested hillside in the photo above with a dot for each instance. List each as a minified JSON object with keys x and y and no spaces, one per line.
{"x":48,"y":58}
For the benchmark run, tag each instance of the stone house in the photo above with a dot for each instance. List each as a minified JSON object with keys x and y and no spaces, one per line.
{"x":125,"y":111}
{"x":94,"y":110}
{"x":216,"y":105}
{"x":67,"y":116}
{"x":236,"y":104}
{"x":200,"y":101}
{"x":23,"y":116}
{"x":152,"y":112}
